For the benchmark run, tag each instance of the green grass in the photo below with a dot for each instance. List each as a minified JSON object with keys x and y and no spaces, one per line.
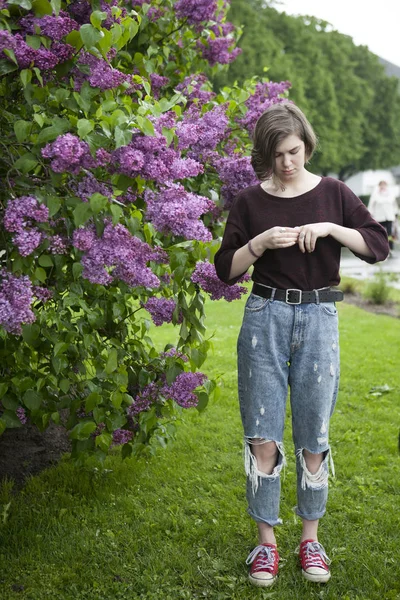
{"x":175,"y":526}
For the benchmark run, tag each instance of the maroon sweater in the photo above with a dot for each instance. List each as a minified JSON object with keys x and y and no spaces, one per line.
{"x":254,"y":211}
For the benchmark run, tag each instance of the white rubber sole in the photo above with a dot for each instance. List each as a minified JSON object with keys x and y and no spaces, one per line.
{"x":262,"y":582}
{"x":320,"y":578}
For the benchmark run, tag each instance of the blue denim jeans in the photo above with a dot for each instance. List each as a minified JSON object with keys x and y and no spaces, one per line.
{"x":284,"y":346}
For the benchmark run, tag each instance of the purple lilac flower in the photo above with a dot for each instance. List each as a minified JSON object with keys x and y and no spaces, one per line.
{"x":174,"y":353}
{"x":51,"y":26}
{"x":20,"y":217}
{"x":15,"y":301}
{"x":192,"y":86}
{"x":174,"y":210}
{"x":116,"y":255}
{"x":182,"y":389}
{"x":101,"y":73}
{"x":149,"y":157}
{"x":24,"y":54}
{"x":219,"y":50}
{"x":63,"y":51}
{"x":161,"y":310}
{"x":81,"y":11}
{"x":130,"y":160}
{"x":157,"y":82}
{"x":142,"y":402}
{"x":69,"y":153}
{"x":196,"y":11}
{"x":206,"y":277}
{"x":41,"y":293}
{"x":21,"y":414}
{"x":236,"y":173}
{"x":200,"y":132}
{"x":89,"y":186}
{"x":121,"y":436}
{"x":265,"y":95}
{"x":58,"y":244}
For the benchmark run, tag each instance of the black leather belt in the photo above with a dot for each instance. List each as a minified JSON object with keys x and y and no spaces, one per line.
{"x":293,"y":296}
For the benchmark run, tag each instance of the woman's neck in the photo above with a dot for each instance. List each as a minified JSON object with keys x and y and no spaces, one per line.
{"x":305,"y":182}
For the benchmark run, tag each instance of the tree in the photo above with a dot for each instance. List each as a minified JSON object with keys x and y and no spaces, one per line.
{"x":338,"y":85}
{"x":118,"y":160}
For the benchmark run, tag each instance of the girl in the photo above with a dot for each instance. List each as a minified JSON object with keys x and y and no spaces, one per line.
{"x":291,"y":227}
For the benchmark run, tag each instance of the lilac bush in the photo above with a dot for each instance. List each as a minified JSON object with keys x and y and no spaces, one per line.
{"x":119,"y":161}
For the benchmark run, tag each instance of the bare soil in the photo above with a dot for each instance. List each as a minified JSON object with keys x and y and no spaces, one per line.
{"x":28,"y":451}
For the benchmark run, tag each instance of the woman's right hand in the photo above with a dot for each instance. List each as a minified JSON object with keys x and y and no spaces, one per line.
{"x":274,"y":238}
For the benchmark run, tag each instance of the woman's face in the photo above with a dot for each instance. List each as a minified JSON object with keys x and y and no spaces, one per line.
{"x":289,"y":158}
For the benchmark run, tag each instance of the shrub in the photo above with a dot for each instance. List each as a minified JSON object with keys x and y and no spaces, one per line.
{"x":118,"y":161}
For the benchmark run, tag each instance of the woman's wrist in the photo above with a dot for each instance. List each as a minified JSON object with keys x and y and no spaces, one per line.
{"x":255,"y":248}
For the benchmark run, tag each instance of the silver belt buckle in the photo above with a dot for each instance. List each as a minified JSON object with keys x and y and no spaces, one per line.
{"x":287,"y":296}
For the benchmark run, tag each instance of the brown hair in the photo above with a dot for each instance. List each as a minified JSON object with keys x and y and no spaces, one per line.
{"x":274,"y":125}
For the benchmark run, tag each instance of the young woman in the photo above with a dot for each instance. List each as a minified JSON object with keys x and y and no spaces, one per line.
{"x":291,"y":227}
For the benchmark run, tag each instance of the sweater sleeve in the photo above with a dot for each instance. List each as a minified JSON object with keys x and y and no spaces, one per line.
{"x":234,"y":238}
{"x":357,"y":216}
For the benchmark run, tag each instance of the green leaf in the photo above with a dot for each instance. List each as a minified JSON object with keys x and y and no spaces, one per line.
{"x":40,"y":274}
{"x":7,"y":67}
{"x":122,"y":137}
{"x":3,"y":389}
{"x":82,"y":430}
{"x":116,"y":399}
{"x":97,"y":17}
{"x":77,"y":269}
{"x":48,"y":134}
{"x":3,"y":426}
{"x":22,"y":130}
{"x":10,"y":419}
{"x":84,"y":127}
{"x":53,"y":204}
{"x":103,"y":441}
{"x":89,"y":35}
{"x":146,"y":126}
{"x":112,"y":361}
{"x":82,"y":213}
{"x":30,"y":333}
{"x":26,"y":76}
{"x":98,"y":202}
{"x":10,"y":53}
{"x":10,"y":403}
{"x":27,"y":162}
{"x":92,"y":401}
{"x":203,"y":401}
{"x":64,"y":385}
{"x":60,"y":348}
{"x":56,"y":6}
{"x":45,"y":260}
{"x":117,"y":213}
{"x":32,"y":400}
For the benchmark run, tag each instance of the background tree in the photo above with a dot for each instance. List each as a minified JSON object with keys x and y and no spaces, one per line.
{"x":338,"y":84}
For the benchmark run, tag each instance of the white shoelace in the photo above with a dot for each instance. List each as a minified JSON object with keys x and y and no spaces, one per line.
{"x":315,"y":555}
{"x":266,"y":559}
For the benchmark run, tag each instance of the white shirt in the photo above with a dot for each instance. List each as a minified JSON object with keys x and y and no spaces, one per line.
{"x":383,"y":205}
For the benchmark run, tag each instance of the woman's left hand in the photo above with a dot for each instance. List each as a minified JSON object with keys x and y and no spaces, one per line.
{"x":309,"y":234}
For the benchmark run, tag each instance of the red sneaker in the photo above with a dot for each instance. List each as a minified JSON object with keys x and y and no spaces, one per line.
{"x":314,"y":561}
{"x":263,"y":561}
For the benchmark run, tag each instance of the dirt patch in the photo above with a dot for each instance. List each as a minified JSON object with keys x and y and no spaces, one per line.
{"x":27,"y":451}
{"x":391,"y":309}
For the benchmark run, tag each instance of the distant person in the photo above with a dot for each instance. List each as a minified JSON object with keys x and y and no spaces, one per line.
{"x":291,"y":227}
{"x":383,"y":207}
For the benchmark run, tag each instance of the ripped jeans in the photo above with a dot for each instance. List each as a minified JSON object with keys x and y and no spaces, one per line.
{"x":281,"y":346}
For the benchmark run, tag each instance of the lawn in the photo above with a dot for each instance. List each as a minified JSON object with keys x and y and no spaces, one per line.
{"x":174,"y":526}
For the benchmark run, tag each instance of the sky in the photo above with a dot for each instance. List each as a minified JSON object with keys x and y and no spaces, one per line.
{"x":369,"y":23}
